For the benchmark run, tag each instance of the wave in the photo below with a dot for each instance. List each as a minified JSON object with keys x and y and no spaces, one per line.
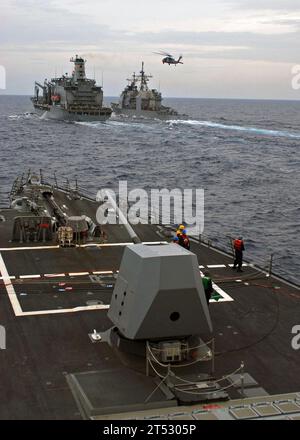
{"x":25,"y":115}
{"x":254,"y":130}
{"x":109,"y":124}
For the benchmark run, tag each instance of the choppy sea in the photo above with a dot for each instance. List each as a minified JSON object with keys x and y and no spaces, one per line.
{"x":244,"y":154}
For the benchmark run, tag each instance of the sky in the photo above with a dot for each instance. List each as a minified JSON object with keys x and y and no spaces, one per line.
{"x":230,"y":48}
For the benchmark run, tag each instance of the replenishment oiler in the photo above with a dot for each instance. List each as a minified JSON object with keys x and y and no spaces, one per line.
{"x":139,"y":101}
{"x":71,"y":98}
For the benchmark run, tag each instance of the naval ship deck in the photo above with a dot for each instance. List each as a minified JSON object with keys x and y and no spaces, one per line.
{"x":52,"y":298}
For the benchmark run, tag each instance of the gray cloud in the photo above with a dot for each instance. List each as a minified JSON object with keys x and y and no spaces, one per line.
{"x":276,"y":5}
{"x":53,"y":30}
{"x":41,"y":32}
{"x":278,"y":48}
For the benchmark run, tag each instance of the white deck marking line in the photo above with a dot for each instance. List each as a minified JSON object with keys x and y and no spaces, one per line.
{"x":225,"y":296}
{"x":121,"y":244}
{"x":28,"y":248}
{"x":60,"y":311}
{"x":18,"y":310}
{"x":10,"y":288}
{"x":59,"y":275}
{"x":36,"y":248}
{"x":17,"y":307}
{"x":201,"y":267}
{"x":215,"y":266}
{"x":78,"y":274}
{"x":103,"y":272}
{"x":105,"y":244}
{"x":244,"y":265}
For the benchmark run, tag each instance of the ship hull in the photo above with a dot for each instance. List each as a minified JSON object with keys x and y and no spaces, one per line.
{"x":60,"y":114}
{"x":143,"y":114}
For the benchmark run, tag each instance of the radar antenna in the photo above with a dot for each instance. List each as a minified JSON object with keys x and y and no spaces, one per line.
{"x":144,"y":79}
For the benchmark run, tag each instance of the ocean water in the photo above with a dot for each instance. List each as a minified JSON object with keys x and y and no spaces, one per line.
{"x":244,"y":154}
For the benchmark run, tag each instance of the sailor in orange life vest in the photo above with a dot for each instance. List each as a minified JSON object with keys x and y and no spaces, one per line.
{"x":180,"y":240}
{"x":239,"y":247}
{"x":179,"y":230}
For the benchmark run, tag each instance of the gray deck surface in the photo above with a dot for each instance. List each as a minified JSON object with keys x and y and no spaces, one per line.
{"x":42,"y":349}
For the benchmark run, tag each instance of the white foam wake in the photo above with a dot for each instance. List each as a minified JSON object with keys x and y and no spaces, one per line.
{"x":109,"y":123}
{"x":254,"y":130}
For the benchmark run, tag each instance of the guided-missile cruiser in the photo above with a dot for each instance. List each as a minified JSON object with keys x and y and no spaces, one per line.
{"x":71,"y":98}
{"x":139,"y":101}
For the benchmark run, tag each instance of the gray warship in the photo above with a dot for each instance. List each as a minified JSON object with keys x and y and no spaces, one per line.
{"x":91,"y":312}
{"x":71,"y":98}
{"x":138,"y":101}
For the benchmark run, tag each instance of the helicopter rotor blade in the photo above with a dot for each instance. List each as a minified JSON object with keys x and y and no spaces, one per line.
{"x":164,"y":54}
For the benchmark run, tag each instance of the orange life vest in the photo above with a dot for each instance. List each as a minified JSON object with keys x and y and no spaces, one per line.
{"x":238,"y":245}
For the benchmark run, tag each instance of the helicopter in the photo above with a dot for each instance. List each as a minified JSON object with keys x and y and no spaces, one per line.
{"x":169,"y":59}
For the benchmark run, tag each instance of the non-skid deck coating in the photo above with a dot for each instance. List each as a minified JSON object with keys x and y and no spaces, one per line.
{"x":63,"y":295}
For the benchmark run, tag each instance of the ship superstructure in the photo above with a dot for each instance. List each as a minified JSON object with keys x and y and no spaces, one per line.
{"x":71,"y":98}
{"x":138,"y":100}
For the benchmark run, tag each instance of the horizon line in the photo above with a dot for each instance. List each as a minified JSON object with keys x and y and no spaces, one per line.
{"x":183,"y":97}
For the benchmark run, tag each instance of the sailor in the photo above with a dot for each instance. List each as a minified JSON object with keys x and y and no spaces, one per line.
{"x":186,"y":240}
{"x":179,"y":235}
{"x":208,"y":288}
{"x":180,"y":229}
{"x":238,"y":245}
{"x":176,"y":240}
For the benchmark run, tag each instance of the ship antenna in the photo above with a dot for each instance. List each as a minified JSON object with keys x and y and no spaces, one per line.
{"x":144,"y":78}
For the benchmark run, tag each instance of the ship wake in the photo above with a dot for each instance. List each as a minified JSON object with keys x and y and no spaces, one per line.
{"x":110,"y":124}
{"x":253,"y":130}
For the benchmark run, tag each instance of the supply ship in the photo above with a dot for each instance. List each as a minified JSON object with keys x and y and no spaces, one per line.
{"x":90,"y":312}
{"x":71,"y":98}
{"x":139,"y":101}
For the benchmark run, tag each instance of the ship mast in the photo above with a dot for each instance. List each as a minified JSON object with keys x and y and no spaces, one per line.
{"x":144,"y":79}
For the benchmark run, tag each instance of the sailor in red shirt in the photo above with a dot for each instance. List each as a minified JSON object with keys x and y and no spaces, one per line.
{"x":186,"y":240}
{"x":239,"y":247}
